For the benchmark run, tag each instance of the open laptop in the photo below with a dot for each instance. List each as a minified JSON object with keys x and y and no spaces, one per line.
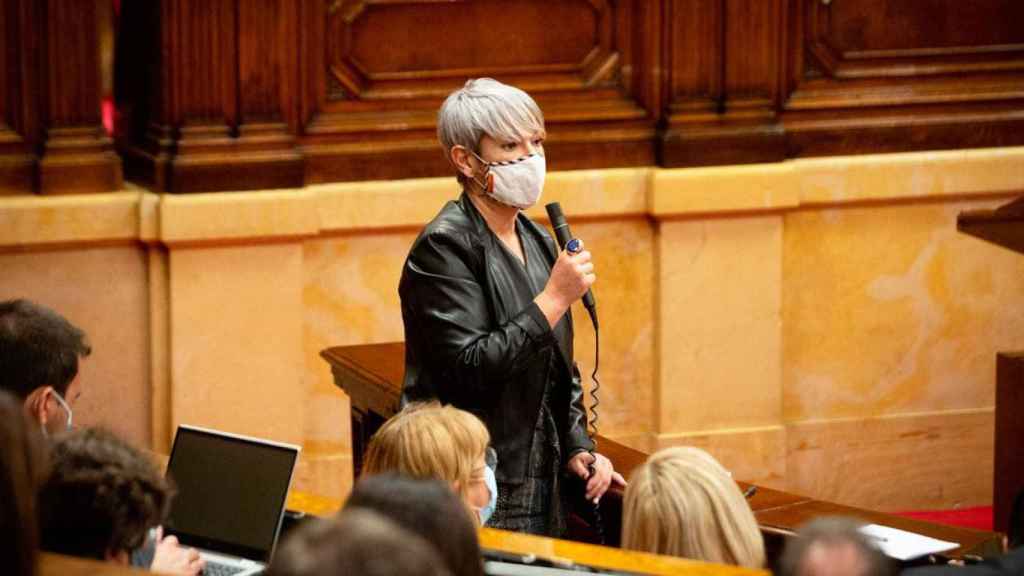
{"x":231,"y":497}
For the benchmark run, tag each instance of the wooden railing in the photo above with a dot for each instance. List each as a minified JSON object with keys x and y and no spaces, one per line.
{"x":372,"y":377}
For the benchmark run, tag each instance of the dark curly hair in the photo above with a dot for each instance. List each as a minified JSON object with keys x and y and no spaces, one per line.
{"x":102,"y":496}
{"x":22,"y":469}
{"x":38,"y":347}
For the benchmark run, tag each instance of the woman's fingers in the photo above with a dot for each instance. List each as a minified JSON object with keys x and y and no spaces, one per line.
{"x":602,"y":479}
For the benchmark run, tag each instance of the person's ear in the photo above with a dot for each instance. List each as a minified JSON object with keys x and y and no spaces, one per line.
{"x":463,"y":160}
{"x":35,"y":404}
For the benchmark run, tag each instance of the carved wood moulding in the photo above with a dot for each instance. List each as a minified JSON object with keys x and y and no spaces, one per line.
{"x":379,"y":70}
{"x":253,"y":94}
{"x":886,"y":76}
{"x":51,"y":136}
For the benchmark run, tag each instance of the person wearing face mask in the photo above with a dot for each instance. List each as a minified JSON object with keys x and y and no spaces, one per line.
{"x":485,"y":303}
{"x":39,"y":356}
{"x":428,"y":440}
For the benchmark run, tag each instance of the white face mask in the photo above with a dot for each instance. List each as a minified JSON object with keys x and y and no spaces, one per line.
{"x":67,"y":409}
{"x":517,"y":182}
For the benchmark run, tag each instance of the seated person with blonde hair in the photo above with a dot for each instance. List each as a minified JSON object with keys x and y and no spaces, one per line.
{"x":427,"y":440}
{"x":682,"y":502}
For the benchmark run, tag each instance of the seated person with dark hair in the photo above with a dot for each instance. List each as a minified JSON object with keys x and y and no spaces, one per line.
{"x":101,"y":500}
{"x":359,"y":542}
{"x":39,"y":353}
{"x":427,"y":507}
{"x":22,"y":468}
{"x":833,"y":546}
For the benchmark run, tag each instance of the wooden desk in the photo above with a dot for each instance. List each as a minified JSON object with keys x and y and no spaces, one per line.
{"x":1003,"y":226}
{"x":59,"y":565}
{"x":372,"y":376}
{"x":555,"y":550}
{"x":603,"y":556}
{"x":786,"y":518}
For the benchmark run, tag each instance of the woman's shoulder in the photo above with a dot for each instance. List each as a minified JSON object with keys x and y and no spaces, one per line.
{"x":453,"y":219}
{"x":452,"y":231}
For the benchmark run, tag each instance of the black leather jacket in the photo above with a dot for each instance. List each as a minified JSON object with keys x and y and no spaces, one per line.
{"x":464,"y":346}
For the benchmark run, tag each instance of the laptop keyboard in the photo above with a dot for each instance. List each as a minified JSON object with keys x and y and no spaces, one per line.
{"x":215,"y":569}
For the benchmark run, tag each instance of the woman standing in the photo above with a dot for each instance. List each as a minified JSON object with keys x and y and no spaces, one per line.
{"x":485,"y":303}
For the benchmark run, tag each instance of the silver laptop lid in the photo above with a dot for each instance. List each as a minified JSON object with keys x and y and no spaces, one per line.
{"x":231,"y":491}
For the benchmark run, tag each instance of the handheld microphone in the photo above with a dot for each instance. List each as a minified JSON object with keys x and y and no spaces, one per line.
{"x":562,"y":234}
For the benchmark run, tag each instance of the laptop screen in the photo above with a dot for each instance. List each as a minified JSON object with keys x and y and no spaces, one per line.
{"x":231,"y":491}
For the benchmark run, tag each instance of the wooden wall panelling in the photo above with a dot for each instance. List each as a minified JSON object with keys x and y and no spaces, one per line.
{"x":877,"y":76}
{"x":1009,"y":437}
{"x":642,"y":73}
{"x":217,"y":112}
{"x":240,"y":94}
{"x":268,"y":77}
{"x":78,"y":156}
{"x":722,"y":88}
{"x":19,"y":126}
{"x":375,"y":72}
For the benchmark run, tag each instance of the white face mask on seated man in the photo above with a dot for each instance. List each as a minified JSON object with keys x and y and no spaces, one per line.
{"x":68,"y":426}
{"x":518,"y":182}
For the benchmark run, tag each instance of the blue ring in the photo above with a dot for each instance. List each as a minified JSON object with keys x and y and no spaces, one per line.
{"x":573,"y":246}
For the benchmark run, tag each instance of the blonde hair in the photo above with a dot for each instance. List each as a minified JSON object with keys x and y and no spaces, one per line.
{"x":682,"y":502}
{"x":428,"y":440}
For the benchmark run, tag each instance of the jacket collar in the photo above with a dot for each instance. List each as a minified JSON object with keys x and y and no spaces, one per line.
{"x":527,"y":225}
{"x":474,"y":215}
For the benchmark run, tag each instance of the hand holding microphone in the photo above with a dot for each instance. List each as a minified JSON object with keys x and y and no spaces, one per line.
{"x":572,"y":274}
{"x":574,"y":247}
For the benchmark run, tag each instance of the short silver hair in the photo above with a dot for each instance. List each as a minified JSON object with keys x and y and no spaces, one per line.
{"x":487,"y":107}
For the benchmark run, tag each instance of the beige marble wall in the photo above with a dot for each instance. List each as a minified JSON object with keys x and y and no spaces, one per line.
{"x":889,"y":310}
{"x":624,"y":255}
{"x":102,"y":290}
{"x":236,"y":358}
{"x":349,"y":296}
{"x":817,"y":324}
{"x":891,"y":320}
{"x":720,"y":339}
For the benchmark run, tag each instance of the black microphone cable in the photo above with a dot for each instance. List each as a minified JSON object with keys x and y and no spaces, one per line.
{"x":592,"y":425}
